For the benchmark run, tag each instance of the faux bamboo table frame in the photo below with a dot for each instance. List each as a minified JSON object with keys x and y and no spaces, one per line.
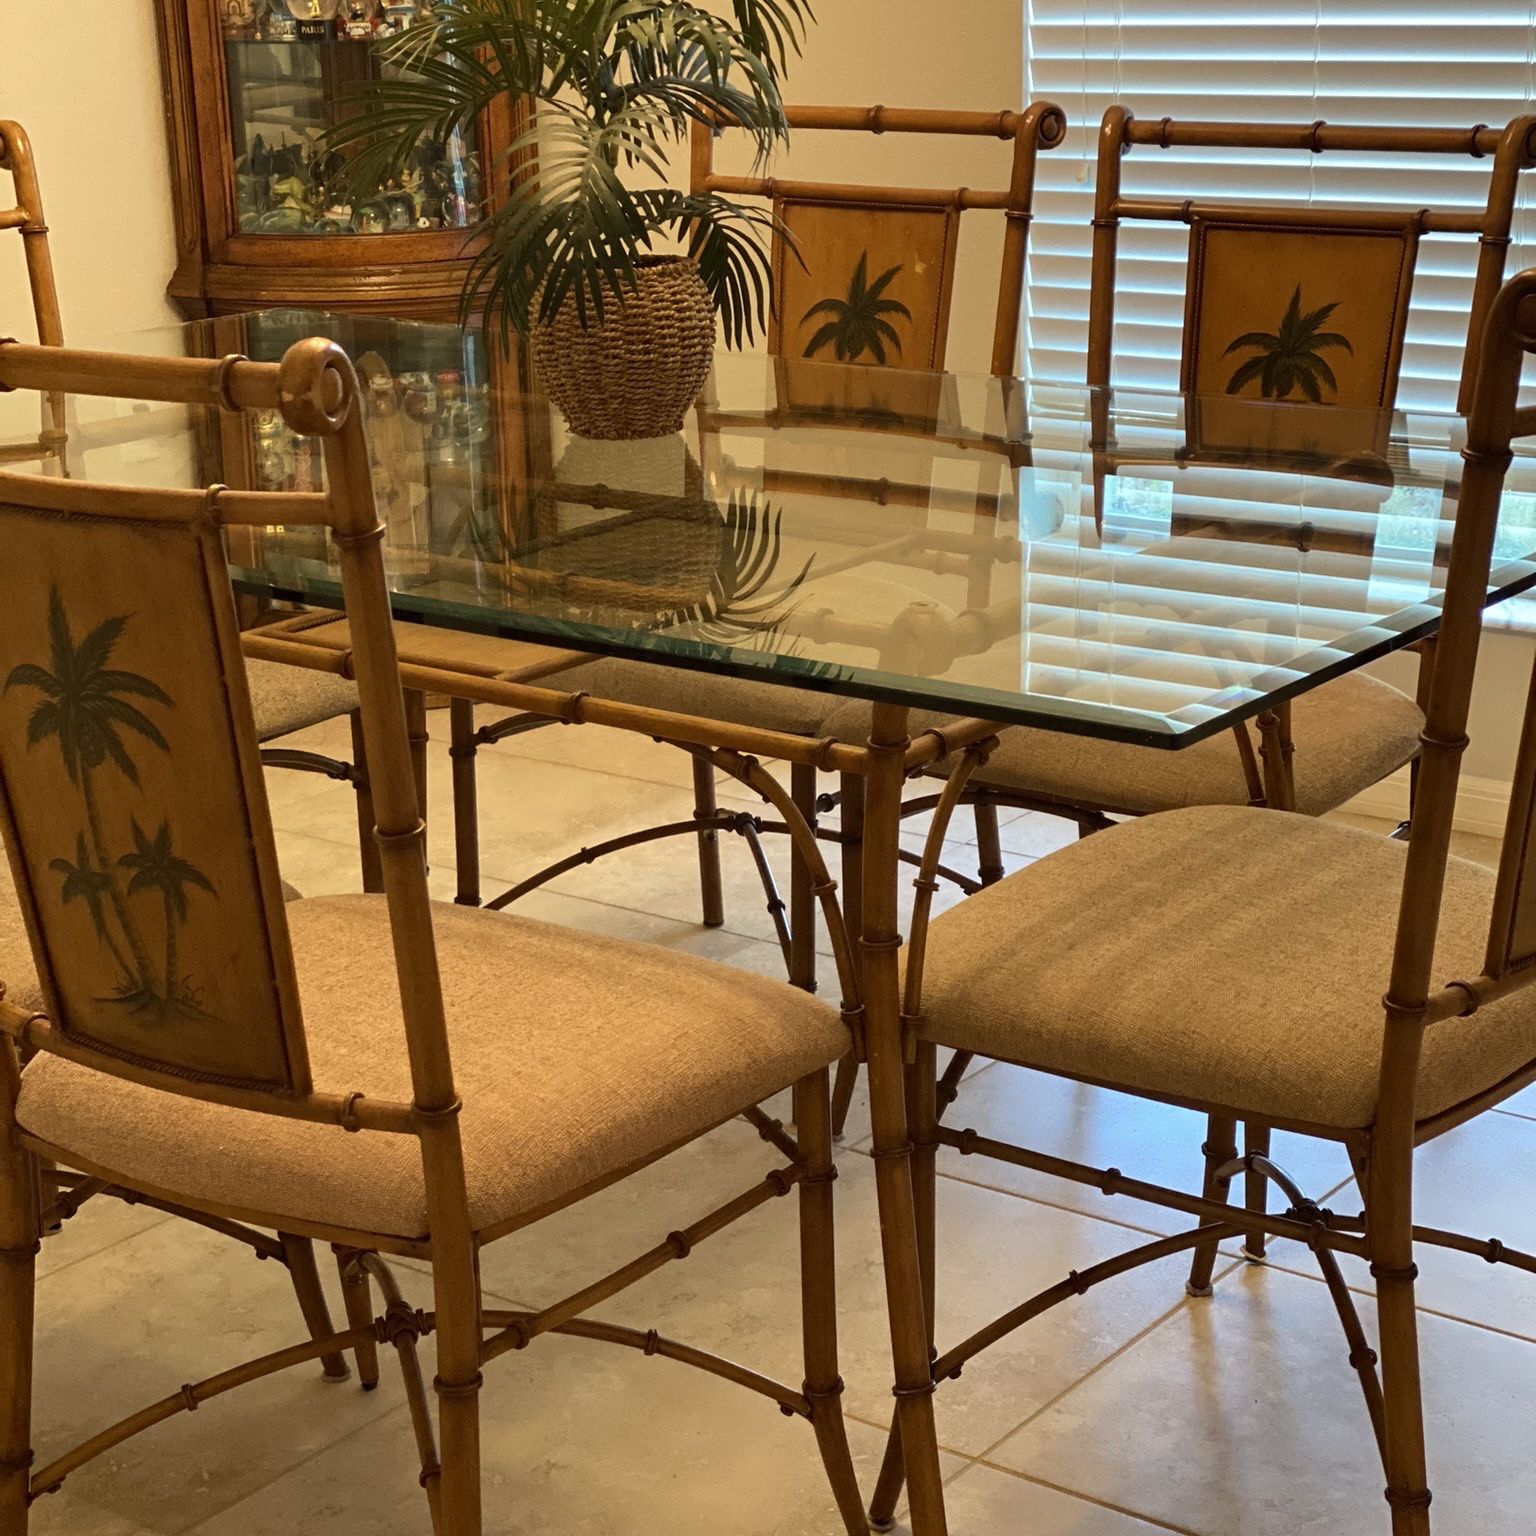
{"x":916,"y":648}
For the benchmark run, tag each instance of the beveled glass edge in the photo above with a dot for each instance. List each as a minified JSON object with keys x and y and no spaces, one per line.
{"x":1063,"y":715}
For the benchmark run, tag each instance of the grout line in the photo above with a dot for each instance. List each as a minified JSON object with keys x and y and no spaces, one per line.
{"x":96,"y":1253}
{"x":885,"y":1429}
{"x":1087,"y":1498}
{"x":367,"y":1426}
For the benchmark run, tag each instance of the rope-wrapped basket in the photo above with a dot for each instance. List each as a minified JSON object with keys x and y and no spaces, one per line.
{"x":636,"y":373}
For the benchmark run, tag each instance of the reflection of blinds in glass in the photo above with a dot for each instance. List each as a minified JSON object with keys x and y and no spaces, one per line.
{"x":1428,"y":63}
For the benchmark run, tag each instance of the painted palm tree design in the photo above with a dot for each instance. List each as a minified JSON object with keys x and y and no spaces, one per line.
{"x":859,"y":324}
{"x":157,"y":867}
{"x":1291,"y":357}
{"x":84,"y":882}
{"x":88,"y":709}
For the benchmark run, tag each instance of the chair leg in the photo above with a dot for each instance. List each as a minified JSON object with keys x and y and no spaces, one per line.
{"x":367,"y":844}
{"x":923,"y":1127}
{"x":1220,"y":1147}
{"x":418,"y":736}
{"x":1390,"y":1225}
{"x":357,"y":1294}
{"x":851,"y":804}
{"x":818,"y":1296}
{"x":705,"y":805}
{"x":802,"y":899}
{"x":466,"y":808}
{"x":19,"y":1241}
{"x":299,"y":1256}
{"x":989,"y":863}
{"x":457,"y":1298}
{"x":1256,"y":1190}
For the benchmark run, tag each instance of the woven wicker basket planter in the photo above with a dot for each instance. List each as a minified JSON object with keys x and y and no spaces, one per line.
{"x":637,"y":373}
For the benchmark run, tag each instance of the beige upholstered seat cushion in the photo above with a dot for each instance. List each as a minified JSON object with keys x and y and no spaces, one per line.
{"x":286,"y":699}
{"x":774,"y":706}
{"x":575,"y":1056}
{"x":1225,"y":956}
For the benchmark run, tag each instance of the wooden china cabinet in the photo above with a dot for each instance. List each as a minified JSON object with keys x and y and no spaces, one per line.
{"x":250,"y":85}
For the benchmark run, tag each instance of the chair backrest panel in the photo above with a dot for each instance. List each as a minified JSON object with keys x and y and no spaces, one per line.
{"x":1315,"y":313}
{"x":870,"y":277}
{"x":1336,"y":255}
{"x":864,"y":283}
{"x":137,"y":822}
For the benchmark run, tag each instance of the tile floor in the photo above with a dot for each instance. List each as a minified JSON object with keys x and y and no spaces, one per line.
{"x":1131,"y":1412}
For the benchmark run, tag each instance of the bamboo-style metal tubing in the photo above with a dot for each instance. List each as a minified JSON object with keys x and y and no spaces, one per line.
{"x":705,"y":809}
{"x":843,"y":192}
{"x":357,"y":1296}
{"x":466,"y":681}
{"x":299,"y":1256}
{"x":818,"y":1296}
{"x":28,"y":217}
{"x":674,"y":1247}
{"x":880,"y":941}
{"x":1479,"y":140}
{"x":725,"y":821}
{"x":466,"y":813}
{"x":402,"y":1326}
{"x":1220,"y":1148}
{"x":802,"y":886}
{"x":177,"y":380}
{"x":748,"y":771}
{"x":19,"y":1243}
{"x":653,"y":1343}
{"x":773,"y":1132}
{"x":1430,"y":221}
{"x":1111,"y":1181}
{"x":323,"y":1108}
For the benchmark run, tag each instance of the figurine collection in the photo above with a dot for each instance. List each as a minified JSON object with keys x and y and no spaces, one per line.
{"x":295,"y":189}
{"x":288,"y":21}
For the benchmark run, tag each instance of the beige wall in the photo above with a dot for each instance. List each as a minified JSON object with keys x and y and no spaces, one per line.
{"x":84,"y":80}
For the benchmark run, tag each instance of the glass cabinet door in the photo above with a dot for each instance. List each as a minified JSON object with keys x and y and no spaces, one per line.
{"x":292,"y":67}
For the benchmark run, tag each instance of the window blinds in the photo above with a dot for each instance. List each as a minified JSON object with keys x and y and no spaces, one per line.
{"x":1432,"y":63}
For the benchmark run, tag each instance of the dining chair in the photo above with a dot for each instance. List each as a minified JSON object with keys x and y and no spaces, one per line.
{"x":1351,"y":733}
{"x":390,"y":1074}
{"x":838,"y":251}
{"x":285,"y":700}
{"x":1260,"y":965}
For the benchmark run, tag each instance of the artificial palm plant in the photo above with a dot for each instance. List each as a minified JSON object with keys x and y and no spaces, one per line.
{"x":617,"y":84}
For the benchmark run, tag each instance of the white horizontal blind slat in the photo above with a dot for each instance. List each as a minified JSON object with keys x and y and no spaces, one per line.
{"x":1439,"y":63}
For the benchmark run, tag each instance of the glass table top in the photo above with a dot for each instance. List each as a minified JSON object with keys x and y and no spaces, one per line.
{"x":1144,"y":567}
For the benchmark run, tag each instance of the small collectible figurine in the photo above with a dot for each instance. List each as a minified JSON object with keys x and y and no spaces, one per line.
{"x":359,"y":20}
{"x":239,"y":18}
{"x":369,"y":218}
{"x":314,"y":17}
{"x":398,"y":16}
{"x":281,"y":26}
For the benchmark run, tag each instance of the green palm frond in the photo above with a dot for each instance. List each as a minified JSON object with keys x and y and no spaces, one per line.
{"x":617,"y":81}
{"x":747,"y":597}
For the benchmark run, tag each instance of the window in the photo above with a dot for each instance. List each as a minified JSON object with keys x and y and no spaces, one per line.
{"x":1442,"y":63}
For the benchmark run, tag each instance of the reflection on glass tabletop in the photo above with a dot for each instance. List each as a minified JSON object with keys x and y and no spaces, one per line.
{"x":1146,"y":567}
